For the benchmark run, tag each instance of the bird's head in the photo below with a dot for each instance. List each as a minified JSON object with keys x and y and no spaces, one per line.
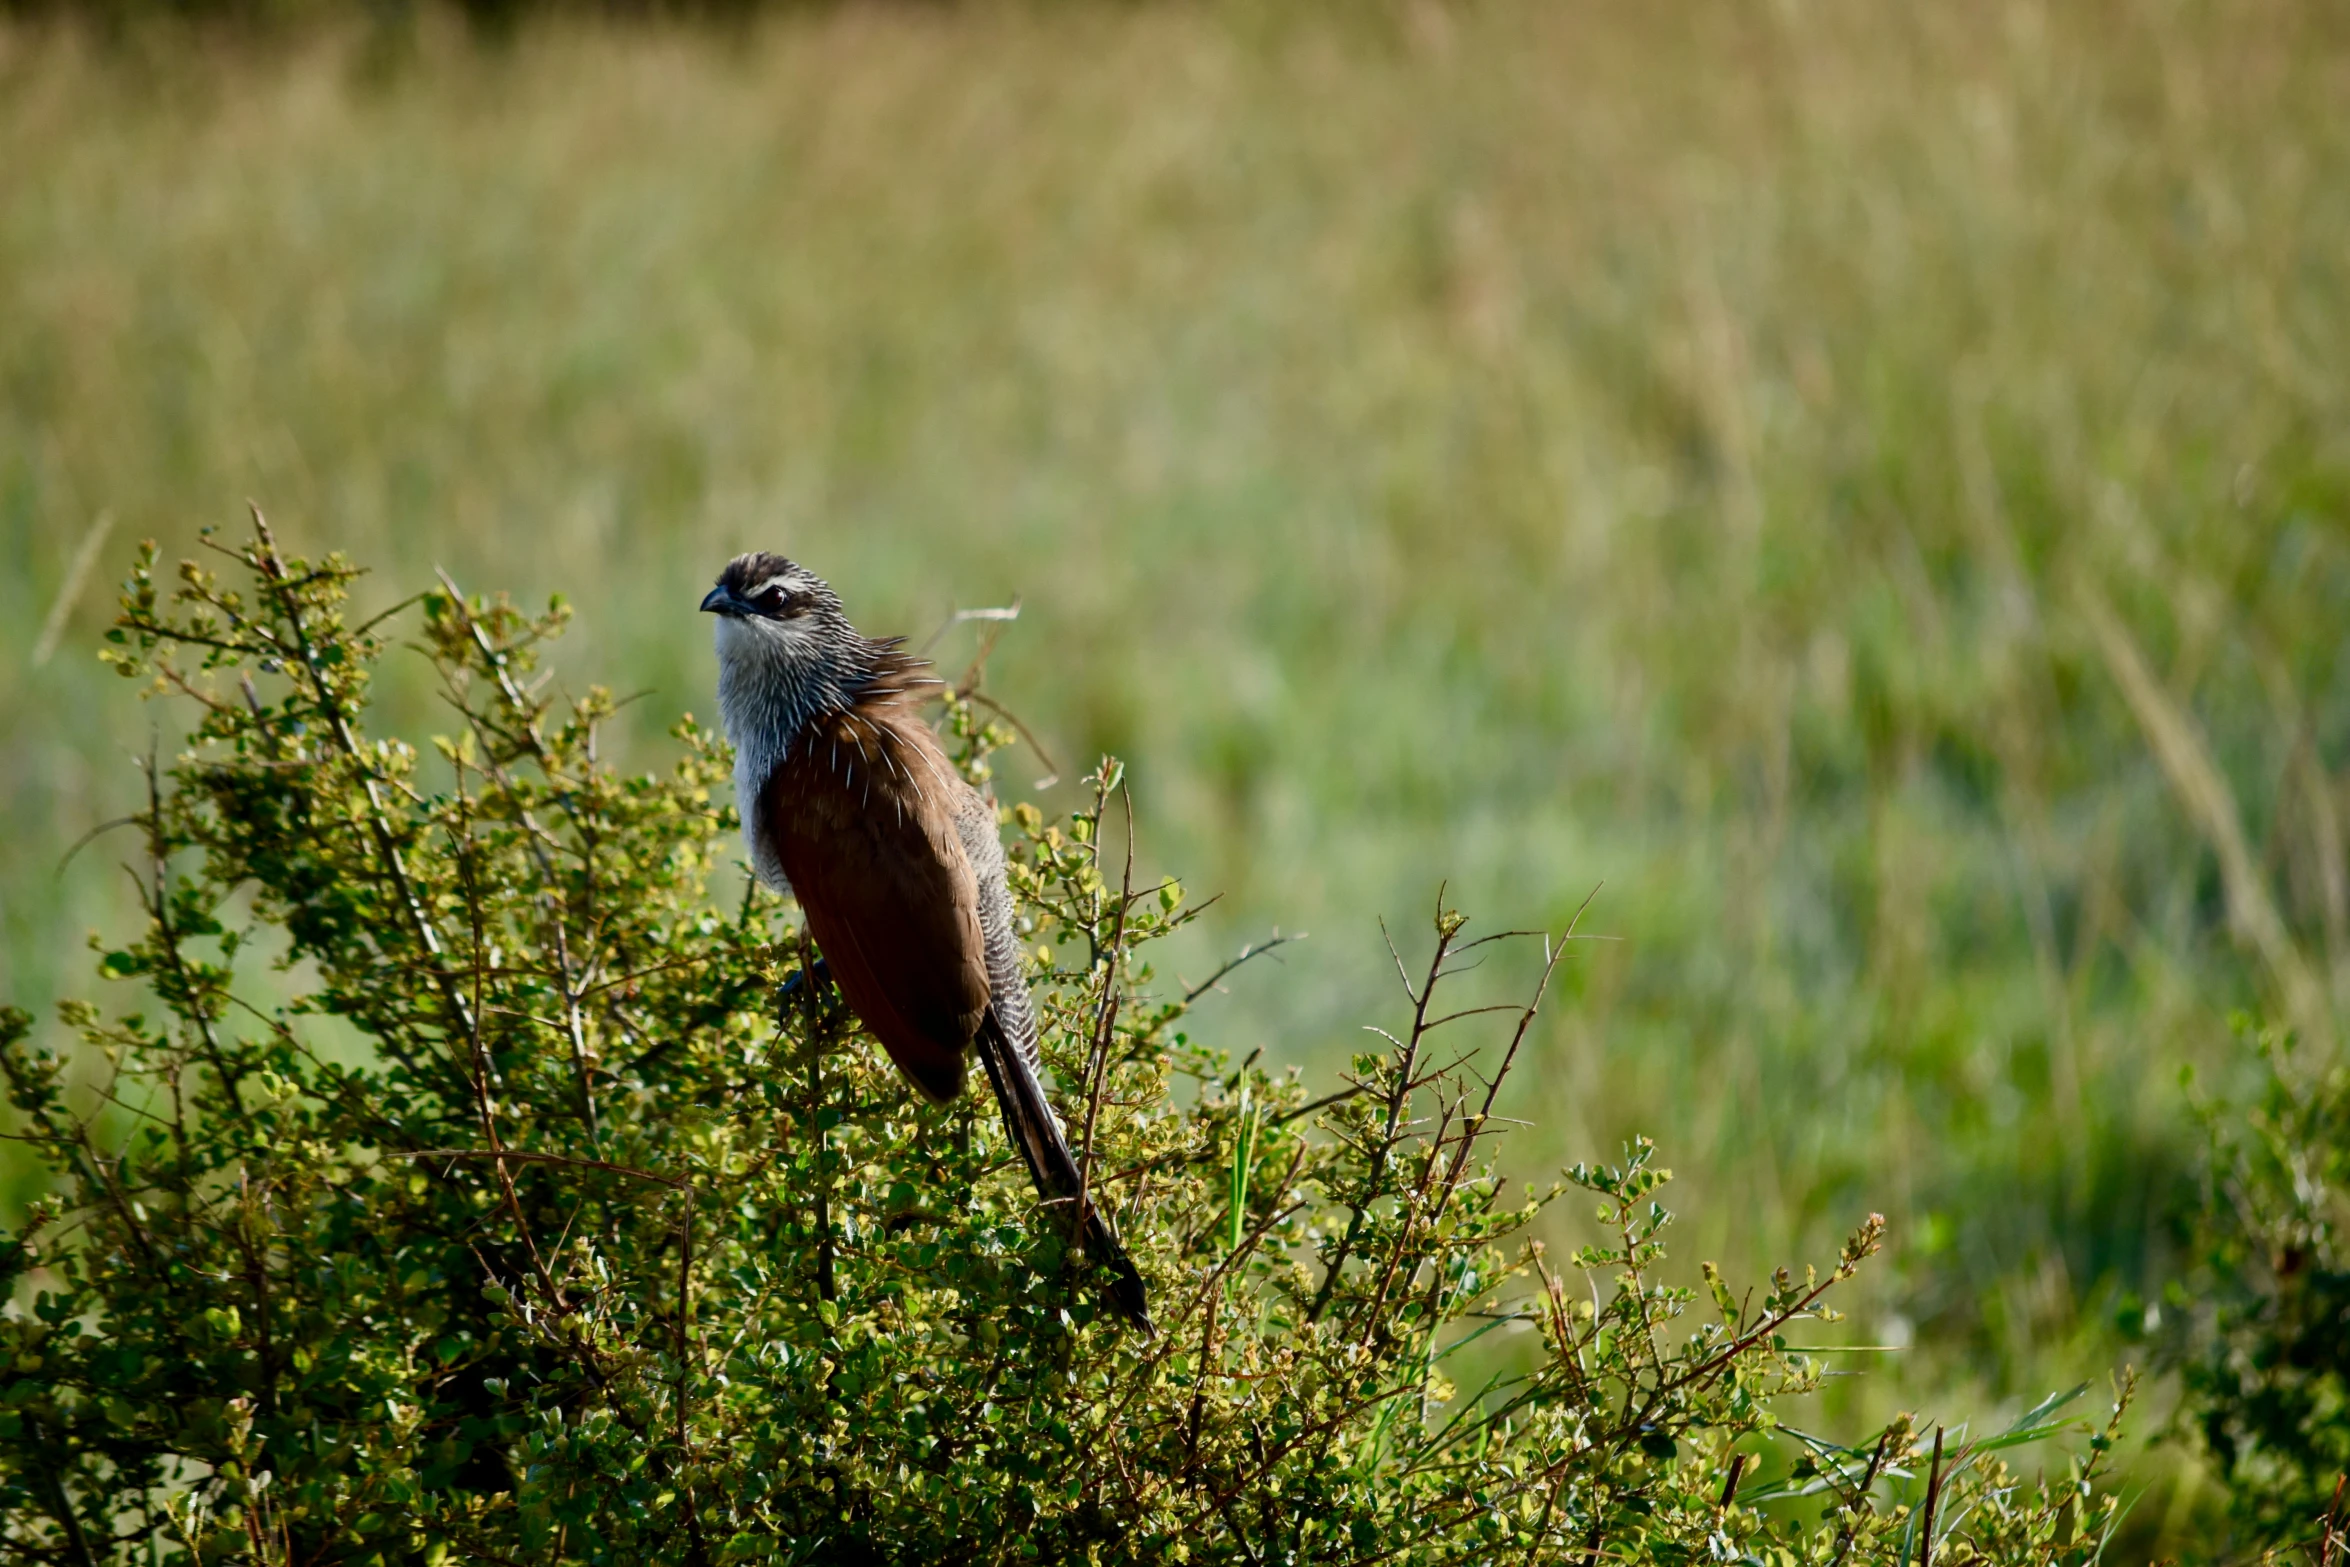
{"x":780,"y":619}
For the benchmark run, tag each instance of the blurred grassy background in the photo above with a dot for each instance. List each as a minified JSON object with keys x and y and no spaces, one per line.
{"x":1783,"y":461}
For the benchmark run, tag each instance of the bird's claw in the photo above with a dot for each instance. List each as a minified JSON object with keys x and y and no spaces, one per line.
{"x":799,"y":977}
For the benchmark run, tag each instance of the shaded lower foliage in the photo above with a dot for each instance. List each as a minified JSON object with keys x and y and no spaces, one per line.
{"x":561,"y":1216}
{"x":2264,"y":1340}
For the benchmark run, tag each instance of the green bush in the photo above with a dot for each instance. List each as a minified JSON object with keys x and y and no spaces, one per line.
{"x":556,"y":1218}
{"x":2265,"y":1351}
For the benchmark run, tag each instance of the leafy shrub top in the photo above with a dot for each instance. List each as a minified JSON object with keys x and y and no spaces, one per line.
{"x":558,"y":1217}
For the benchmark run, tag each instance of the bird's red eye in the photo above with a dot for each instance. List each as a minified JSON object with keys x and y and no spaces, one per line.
{"x":772,"y":601}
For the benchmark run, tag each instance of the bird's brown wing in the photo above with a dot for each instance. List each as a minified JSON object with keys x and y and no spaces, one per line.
{"x":865,"y":826}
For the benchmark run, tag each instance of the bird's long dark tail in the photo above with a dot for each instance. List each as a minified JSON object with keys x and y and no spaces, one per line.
{"x":1036,"y":1131}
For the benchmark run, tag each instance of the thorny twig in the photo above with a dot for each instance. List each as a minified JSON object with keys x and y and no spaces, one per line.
{"x":1447,"y":927}
{"x":1106,"y":1016}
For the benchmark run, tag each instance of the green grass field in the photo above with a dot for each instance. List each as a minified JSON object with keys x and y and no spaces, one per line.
{"x":1871,"y":488}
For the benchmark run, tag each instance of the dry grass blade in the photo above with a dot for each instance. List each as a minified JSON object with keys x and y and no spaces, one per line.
{"x":2186,"y":762}
{"x":77,"y":576}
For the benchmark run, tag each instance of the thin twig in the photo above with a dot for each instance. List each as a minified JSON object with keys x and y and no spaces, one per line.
{"x":159,"y":907}
{"x":1009,"y":611}
{"x":1340,"y":1097}
{"x":1860,"y":1498}
{"x":1551,"y":954}
{"x":1446,"y":930}
{"x":1052,"y":772}
{"x":550,"y":895}
{"x":520,"y":1156}
{"x":1730,"y":1485}
{"x":826,"y":1289}
{"x":685,"y":1307}
{"x":272,"y":568}
{"x":90,"y":837}
{"x":1933,"y":1495}
{"x":1254,"y":950}
{"x":1106,"y":1019}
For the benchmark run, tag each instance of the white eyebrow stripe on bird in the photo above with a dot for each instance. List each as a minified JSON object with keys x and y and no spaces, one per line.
{"x":782,"y":581}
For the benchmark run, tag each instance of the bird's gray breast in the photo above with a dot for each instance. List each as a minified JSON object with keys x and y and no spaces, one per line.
{"x":762,"y":721}
{"x":766,"y":863}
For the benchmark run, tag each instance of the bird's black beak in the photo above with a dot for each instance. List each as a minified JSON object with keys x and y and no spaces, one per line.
{"x":720,"y":600}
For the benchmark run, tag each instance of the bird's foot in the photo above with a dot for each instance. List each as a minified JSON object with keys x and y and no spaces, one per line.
{"x":799,"y":977}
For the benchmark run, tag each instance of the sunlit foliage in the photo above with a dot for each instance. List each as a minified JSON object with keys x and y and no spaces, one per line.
{"x":563,"y":1216}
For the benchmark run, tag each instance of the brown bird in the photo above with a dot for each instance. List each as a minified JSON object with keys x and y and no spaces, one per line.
{"x":850,"y":805}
